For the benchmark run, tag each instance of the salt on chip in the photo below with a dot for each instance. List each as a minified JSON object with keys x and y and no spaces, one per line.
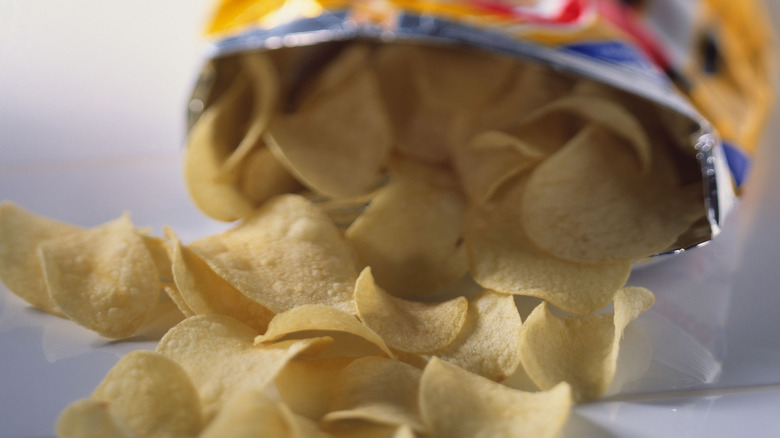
{"x":219,"y":354}
{"x":286,"y":253}
{"x":408,"y":326}
{"x":330,"y":158}
{"x":411,"y":234}
{"x":590,"y":202}
{"x":579,"y":350}
{"x":504,"y":260}
{"x":489,"y":343}
{"x":210,"y":142}
{"x":153,"y":395}
{"x":103,"y":278}
{"x":456,"y":403}
{"x":90,"y":418}
{"x":205,"y":292}
{"x":308,"y":386}
{"x":377,"y":390}
{"x":319,"y":318}
{"x":21,"y":232}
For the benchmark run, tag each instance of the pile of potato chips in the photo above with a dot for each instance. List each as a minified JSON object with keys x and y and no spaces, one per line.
{"x":430,"y":243}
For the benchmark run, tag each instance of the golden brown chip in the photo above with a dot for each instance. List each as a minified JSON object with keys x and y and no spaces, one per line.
{"x":581,"y":350}
{"x":153,"y":396}
{"x":204,"y":292}
{"x":408,"y":326}
{"x":455,"y":403}
{"x":591,"y":202}
{"x":90,"y":418}
{"x":263,"y":176}
{"x":21,"y":231}
{"x":318,"y":318}
{"x":219,"y":354}
{"x":103,"y":278}
{"x":411,"y":234}
{"x":286,"y":254}
{"x":377,"y":390}
{"x":502,"y":259}
{"x":489,"y":343}
{"x":328,"y":157}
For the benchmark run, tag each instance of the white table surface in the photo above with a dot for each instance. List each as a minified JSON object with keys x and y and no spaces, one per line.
{"x":92,"y":100}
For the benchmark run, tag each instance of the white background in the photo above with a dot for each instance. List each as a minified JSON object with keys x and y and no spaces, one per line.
{"x":92,"y":103}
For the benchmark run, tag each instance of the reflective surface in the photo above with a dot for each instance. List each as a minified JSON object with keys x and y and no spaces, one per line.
{"x":92,"y":115}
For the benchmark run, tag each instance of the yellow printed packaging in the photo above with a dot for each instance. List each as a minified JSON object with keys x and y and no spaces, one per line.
{"x":703,"y":65}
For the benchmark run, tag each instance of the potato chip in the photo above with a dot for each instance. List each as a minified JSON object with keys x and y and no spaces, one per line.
{"x":331,"y":70}
{"x":462,"y":80}
{"x":21,"y":231}
{"x":368,"y":430}
{"x":319,"y":318}
{"x":90,"y":418}
{"x":205,"y":292}
{"x":605,"y":113}
{"x":489,"y":343}
{"x":455,"y":403}
{"x":219,"y":354}
{"x":286,"y":254}
{"x":626,"y":215}
{"x":328,"y":157}
{"x":408,"y":326}
{"x":502,"y":259}
{"x":377,"y":390}
{"x":262,"y":177}
{"x":153,"y":395}
{"x":490,"y":159}
{"x":160,"y":251}
{"x":418,"y":201}
{"x":103,"y":278}
{"x":308,"y":386}
{"x":580,"y":350}
{"x":250,"y":414}
{"x":264,"y":83}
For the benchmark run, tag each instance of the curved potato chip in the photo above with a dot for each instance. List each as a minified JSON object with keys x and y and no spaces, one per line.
{"x":408,"y":326}
{"x":490,"y":159}
{"x":250,"y":414}
{"x":153,"y":395}
{"x":205,"y":292}
{"x":103,"y":278}
{"x":21,"y":231}
{"x":308,"y":386}
{"x":219,"y":354}
{"x":210,"y":142}
{"x":411,"y":234}
{"x":462,"y":80}
{"x":581,"y":351}
{"x":589,"y":202}
{"x":455,"y":403}
{"x":286,"y":254}
{"x":504,"y":260}
{"x":605,"y":113}
{"x":489,"y":343}
{"x":90,"y":418}
{"x":265,"y":93}
{"x":312,"y":317}
{"x":263,"y":176}
{"x":377,"y":390}
{"x":325,"y":156}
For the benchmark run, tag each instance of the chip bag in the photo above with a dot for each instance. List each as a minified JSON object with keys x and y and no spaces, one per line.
{"x":696,"y":74}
